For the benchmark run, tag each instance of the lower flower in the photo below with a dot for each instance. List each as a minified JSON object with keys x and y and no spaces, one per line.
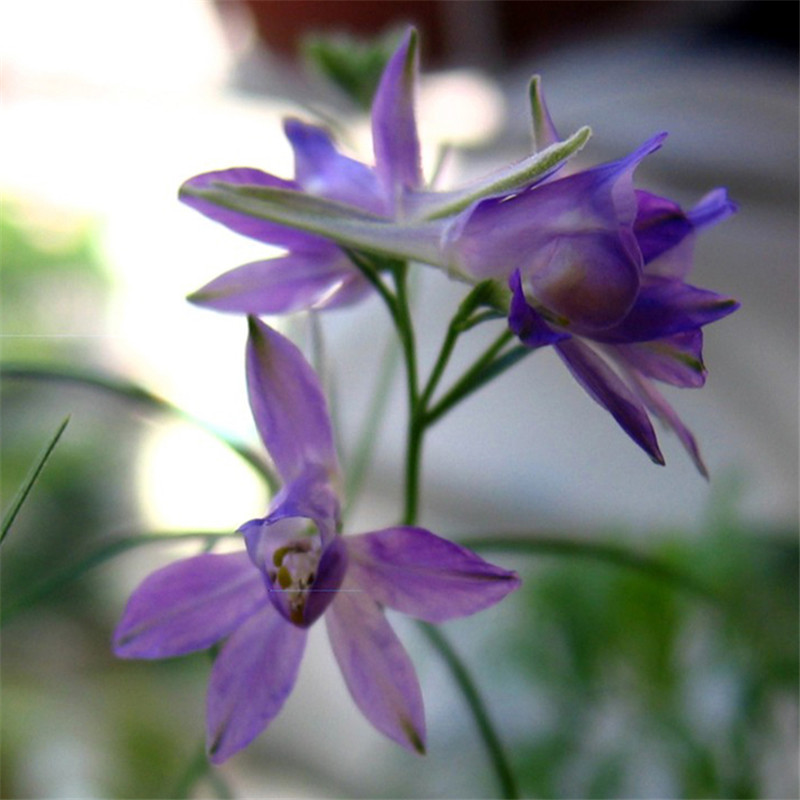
{"x":297,"y":568}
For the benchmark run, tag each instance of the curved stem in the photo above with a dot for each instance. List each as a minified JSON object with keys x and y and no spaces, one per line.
{"x":616,"y":555}
{"x":494,"y":747}
{"x":131,"y":392}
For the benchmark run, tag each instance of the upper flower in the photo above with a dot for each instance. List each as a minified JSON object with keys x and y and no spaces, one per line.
{"x":298,"y":567}
{"x":335,"y":201}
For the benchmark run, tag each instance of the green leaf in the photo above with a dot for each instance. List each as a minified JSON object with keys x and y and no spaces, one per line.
{"x":30,"y":480}
{"x":353,"y":65}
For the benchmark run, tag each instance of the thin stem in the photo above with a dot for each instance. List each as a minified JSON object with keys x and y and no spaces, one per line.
{"x":469,"y":690}
{"x":416,"y":425}
{"x":131,"y":392}
{"x":488,"y":366}
{"x":30,"y":480}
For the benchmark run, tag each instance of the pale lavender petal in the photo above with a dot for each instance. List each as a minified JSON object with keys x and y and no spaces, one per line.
{"x":313,"y":279}
{"x":664,"y":411}
{"x":525,"y":322}
{"x":253,"y":675}
{"x":414,"y":571}
{"x":608,"y":389}
{"x":712,"y":208}
{"x":321,"y":169}
{"x":288,"y":405}
{"x":394,"y":126}
{"x":376,"y":667}
{"x":245,"y":224}
{"x":665,"y":307}
{"x":189,"y":605}
{"x":677,"y":360}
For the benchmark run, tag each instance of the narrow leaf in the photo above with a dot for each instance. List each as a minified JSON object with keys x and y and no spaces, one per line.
{"x":30,"y":480}
{"x":344,"y":224}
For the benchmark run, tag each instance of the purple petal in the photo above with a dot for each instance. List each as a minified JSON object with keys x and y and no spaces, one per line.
{"x":314,"y":279}
{"x":189,"y":605}
{"x":394,"y":127}
{"x":416,"y":572}
{"x":677,"y":360}
{"x":288,"y":405}
{"x":664,"y":411}
{"x":320,"y":169}
{"x":262,"y":230}
{"x":666,"y":307}
{"x":376,"y":667}
{"x":525,"y":322}
{"x":607,"y":388}
{"x":253,"y":675}
{"x":660,"y":224}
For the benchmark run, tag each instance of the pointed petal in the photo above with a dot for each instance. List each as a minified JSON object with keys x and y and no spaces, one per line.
{"x":189,"y":605}
{"x":320,"y":169}
{"x":416,"y":572}
{"x":524,"y":321}
{"x":608,"y":389}
{"x":376,"y":667}
{"x":664,"y":411}
{"x":660,"y":224}
{"x":544,"y":131}
{"x":288,"y":405}
{"x":321,"y":278}
{"x":263,"y":230}
{"x":677,"y":360}
{"x":341,"y":223}
{"x":253,"y":675}
{"x":665,"y":307}
{"x":394,"y":126}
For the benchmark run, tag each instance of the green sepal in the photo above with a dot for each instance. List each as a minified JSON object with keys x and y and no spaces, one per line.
{"x":436,"y":205}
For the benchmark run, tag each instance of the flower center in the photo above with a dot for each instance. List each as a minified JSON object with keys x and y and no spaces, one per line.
{"x":293,"y":571}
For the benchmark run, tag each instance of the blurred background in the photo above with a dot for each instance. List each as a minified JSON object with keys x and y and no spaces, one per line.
{"x":603,"y":681}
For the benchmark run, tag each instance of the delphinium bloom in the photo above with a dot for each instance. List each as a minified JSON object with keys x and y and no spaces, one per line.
{"x":597,"y":270}
{"x":297,"y":567}
{"x":352,"y":196}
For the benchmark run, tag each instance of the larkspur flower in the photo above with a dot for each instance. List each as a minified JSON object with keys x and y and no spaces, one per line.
{"x":597,"y":270}
{"x":335,"y":200}
{"x":658,"y":338}
{"x":298,"y":567}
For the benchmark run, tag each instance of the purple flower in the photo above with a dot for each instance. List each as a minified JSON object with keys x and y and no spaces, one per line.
{"x":335,"y":201}
{"x":315,"y":273}
{"x":657,"y":337}
{"x":298,"y":567}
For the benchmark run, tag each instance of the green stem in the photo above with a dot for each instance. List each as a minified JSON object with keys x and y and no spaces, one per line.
{"x":470,"y":692}
{"x":131,"y":392}
{"x":488,"y":366}
{"x":616,"y":555}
